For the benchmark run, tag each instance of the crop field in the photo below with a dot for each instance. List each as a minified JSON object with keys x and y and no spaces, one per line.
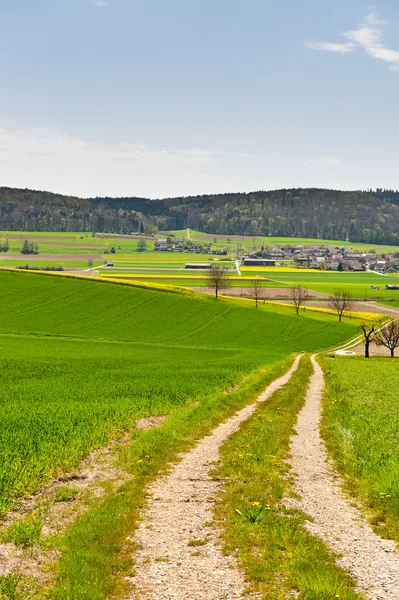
{"x":82,"y":358}
{"x":65,"y":396}
{"x":75,"y":250}
{"x":359,"y":284}
{"x":361,"y":425}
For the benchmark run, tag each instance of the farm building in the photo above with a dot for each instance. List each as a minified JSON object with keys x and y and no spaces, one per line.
{"x":392,"y":287}
{"x":259,"y":262}
{"x":161,"y":246}
{"x":197,"y":266}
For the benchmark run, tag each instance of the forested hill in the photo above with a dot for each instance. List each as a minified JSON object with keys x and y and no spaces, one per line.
{"x":371,"y":217}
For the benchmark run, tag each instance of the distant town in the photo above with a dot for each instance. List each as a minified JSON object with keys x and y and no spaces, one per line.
{"x":323,"y":257}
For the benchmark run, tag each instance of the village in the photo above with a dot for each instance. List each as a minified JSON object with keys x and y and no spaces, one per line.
{"x":323,"y":257}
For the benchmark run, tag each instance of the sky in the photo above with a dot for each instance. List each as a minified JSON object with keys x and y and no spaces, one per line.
{"x":160,"y":98}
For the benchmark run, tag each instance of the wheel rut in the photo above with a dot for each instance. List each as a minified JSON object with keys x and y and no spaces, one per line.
{"x":179,"y":554}
{"x":372,"y":560}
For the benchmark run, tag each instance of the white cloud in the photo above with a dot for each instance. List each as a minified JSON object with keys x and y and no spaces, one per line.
{"x":325,"y":161}
{"x":41,"y":159}
{"x":339,"y":48}
{"x":367,"y":37}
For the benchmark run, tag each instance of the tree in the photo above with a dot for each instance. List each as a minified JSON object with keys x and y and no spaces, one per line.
{"x":90,"y":263}
{"x":25,"y":248}
{"x":389,"y":337}
{"x":340,"y":302}
{"x":141,"y":246}
{"x":299,"y":296}
{"x":218,"y":279}
{"x":256,"y":290}
{"x":368,"y":339}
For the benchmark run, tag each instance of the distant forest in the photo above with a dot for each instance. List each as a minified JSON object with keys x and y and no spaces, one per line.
{"x":371,"y":217}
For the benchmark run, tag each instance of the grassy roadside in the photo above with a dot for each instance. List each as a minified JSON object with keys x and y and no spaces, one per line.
{"x":279,"y":557}
{"x":360,"y":426}
{"x":96,"y":558}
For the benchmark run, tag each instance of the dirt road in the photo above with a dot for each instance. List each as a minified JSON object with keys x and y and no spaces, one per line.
{"x":372,"y":561}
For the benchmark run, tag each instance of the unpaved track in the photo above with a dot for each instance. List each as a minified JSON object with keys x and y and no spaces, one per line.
{"x":181,"y":504}
{"x":373,"y":561}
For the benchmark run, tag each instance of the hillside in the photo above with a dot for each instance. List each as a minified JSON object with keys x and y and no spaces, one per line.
{"x":81,"y":358}
{"x":65,"y":306}
{"x":356,"y":216}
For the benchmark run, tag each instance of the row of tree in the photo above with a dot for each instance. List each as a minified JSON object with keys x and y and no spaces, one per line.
{"x":30,"y":247}
{"x":341,"y":302}
{"x":371,"y":217}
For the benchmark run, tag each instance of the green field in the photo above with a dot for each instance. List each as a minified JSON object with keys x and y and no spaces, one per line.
{"x":82,"y":357}
{"x":80,"y":264}
{"x":65,"y":396}
{"x":73,"y":250}
{"x":359,"y":284}
{"x":361,"y":425}
{"x":256,"y":241}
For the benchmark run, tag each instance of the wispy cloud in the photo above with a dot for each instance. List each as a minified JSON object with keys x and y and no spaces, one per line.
{"x":100,"y":3}
{"x":339,"y":48}
{"x":39,"y":158}
{"x":325,"y":161}
{"x":367,"y":37}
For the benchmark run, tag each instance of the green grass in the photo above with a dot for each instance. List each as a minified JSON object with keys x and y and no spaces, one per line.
{"x":25,"y":532}
{"x":58,"y":305}
{"x":81,"y":358}
{"x":361,"y":425}
{"x":9,"y":587}
{"x":65,"y":396}
{"x":359,"y":284}
{"x":82,"y":264}
{"x":278,"y":555}
{"x":96,"y":555}
{"x":186,"y":281}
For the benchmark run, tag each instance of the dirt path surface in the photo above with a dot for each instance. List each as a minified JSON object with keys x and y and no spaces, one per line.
{"x":373,"y":561}
{"x":179,"y":556}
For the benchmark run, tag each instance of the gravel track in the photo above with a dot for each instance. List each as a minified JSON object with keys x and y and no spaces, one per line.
{"x":372,"y":561}
{"x":179,"y":556}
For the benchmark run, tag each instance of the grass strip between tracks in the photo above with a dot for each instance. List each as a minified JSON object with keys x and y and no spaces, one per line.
{"x":279,"y":557}
{"x":97,"y":556}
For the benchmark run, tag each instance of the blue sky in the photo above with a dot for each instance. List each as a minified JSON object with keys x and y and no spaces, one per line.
{"x":177,"y":97}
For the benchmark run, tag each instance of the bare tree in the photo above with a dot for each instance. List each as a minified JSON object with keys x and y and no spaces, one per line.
{"x":90,"y":263}
{"x":299,"y":296}
{"x":256,"y":290}
{"x":341,"y":302}
{"x":389,"y":337}
{"x":368,"y":339}
{"x":218,"y":279}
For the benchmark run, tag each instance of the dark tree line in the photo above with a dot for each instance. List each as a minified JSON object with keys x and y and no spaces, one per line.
{"x":356,"y":216}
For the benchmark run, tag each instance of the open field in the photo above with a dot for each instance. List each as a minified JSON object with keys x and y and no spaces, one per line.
{"x":361,"y":421}
{"x":359,"y":284}
{"x":84,"y":358}
{"x":250,"y":242}
{"x":50,"y":381}
{"x":66,"y":396}
{"x":74,"y":250}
